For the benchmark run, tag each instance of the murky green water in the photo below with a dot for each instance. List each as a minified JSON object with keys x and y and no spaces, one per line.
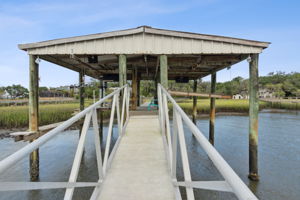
{"x":279,"y":159}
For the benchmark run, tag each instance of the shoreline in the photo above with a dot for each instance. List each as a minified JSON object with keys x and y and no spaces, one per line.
{"x":4,"y":133}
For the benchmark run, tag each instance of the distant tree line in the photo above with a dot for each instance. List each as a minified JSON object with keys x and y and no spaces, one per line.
{"x":280,"y":83}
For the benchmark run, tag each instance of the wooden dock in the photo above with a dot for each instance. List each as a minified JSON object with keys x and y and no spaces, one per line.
{"x":139,"y":169}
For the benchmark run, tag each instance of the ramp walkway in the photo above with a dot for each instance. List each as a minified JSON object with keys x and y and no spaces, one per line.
{"x":143,"y":161}
{"x":139,"y":169}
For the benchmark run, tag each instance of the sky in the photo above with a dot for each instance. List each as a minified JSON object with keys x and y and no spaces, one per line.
{"x":26,"y":21}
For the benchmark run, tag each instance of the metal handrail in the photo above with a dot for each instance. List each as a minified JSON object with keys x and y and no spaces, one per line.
{"x":90,"y":115}
{"x":232,"y":182}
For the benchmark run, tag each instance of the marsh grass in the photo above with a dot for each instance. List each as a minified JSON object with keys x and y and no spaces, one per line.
{"x":17,"y":116}
{"x":285,"y":105}
{"x":222,"y":105}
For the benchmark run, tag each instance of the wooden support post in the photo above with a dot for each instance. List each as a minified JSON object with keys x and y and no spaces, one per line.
{"x":253,"y":117}
{"x":163,"y":60}
{"x":139,"y":89}
{"x":134,"y":88}
{"x":81,"y":96}
{"x":212,"y":113}
{"x":34,"y":113}
{"x":122,"y":77}
{"x":195,"y":102}
{"x":81,"y":90}
{"x":122,"y":70}
{"x":156,"y":90}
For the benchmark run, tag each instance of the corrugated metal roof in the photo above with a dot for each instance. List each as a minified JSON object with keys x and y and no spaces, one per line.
{"x":191,"y":55}
{"x":145,"y":29}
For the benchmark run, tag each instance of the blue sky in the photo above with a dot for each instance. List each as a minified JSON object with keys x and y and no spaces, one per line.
{"x":24,"y":21}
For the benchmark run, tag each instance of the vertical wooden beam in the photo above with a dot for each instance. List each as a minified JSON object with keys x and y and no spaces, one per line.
{"x":156,"y":90}
{"x":195,"y":102}
{"x":253,"y":117}
{"x":81,"y":96}
{"x":163,"y":60}
{"x":212,"y":113}
{"x":139,"y":89}
{"x":81,"y":90}
{"x":122,"y":76}
{"x":34,"y":113}
{"x":134,"y":88}
{"x":122,"y":70}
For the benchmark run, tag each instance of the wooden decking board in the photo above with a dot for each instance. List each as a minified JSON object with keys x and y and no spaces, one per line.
{"x":139,"y":169}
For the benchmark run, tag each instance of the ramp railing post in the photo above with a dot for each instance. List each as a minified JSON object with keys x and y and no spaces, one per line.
{"x":97,"y":145}
{"x":123,"y":106}
{"x":127,"y":105}
{"x":118,"y":114}
{"x":184,"y":155}
{"x":161,"y":109}
{"x":174,"y":146}
{"x":78,"y":156}
{"x":109,"y":133}
{"x":167,"y":125}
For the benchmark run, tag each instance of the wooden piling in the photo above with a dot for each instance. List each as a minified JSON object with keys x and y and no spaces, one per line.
{"x":195,"y":102}
{"x":156,"y":90}
{"x":34,"y":114}
{"x":163,"y":60}
{"x":134,"y":88}
{"x":122,"y":70}
{"x":139,"y":89}
{"x":81,"y":90}
{"x":81,"y":96}
{"x":253,"y":117}
{"x":122,"y":77}
{"x":212,"y":112}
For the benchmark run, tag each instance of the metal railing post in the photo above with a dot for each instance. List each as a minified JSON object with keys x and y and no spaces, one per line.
{"x":123,"y":106}
{"x":118,"y":114}
{"x":97,"y":145}
{"x":109,"y":133}
{"x":167,"y":125}
{"x":174,"y":146}
{"x":160,"y":107}
{"x":78,"y":155}
{"x":184,"y":155}
{"x":128,"y":101}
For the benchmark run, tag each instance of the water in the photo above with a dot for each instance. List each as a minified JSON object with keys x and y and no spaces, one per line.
{"x":279,"y":159}
{"x":56,"y":159}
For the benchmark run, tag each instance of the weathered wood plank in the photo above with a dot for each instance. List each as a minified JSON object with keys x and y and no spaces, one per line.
{"x":31,"y":135}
